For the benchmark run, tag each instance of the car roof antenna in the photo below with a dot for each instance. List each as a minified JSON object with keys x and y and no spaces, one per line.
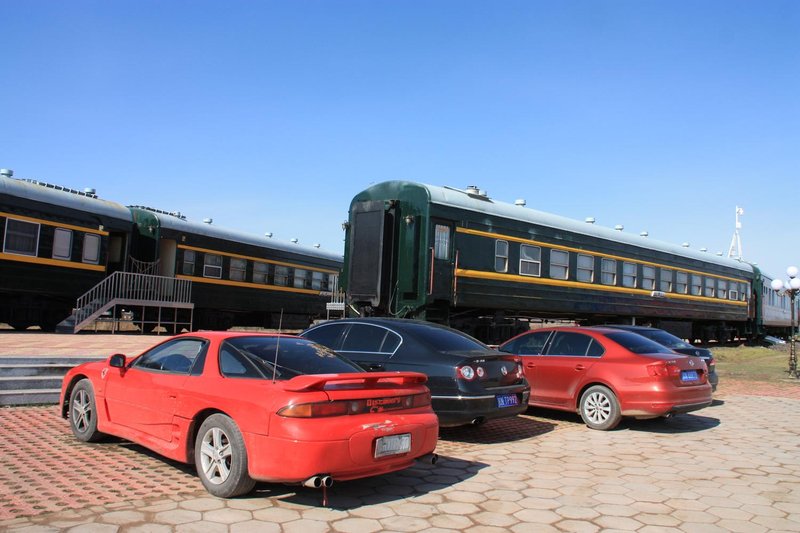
{"x":277,"y":347}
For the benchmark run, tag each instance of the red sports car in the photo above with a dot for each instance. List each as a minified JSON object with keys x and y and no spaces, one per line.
{"x":605,"y":374}
{"x":246,"y":407}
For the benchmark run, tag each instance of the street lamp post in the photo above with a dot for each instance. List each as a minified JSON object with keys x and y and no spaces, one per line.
{"x":791,"y":288}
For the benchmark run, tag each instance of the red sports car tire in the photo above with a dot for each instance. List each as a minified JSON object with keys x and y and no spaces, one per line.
{"x":221,"y":458}
{"x":83,"y":412}
{"x":599,"y":408}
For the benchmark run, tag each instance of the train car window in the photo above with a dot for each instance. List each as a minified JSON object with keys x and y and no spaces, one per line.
{"x":62,"y":244}
{"x":585,"y":268}
{"x":559,"y":264}
{"x":722,"y":289}
{"x":682,"y":282}
{"x":745,"y":291}
{"x":188,"y":262}
{"x":317,"y":280}
{"x":238,"y":268}
{"x":733,"y":293}
{"x":300,"y":278}
{"x":501,"y":256}
{"x":260,"y":272}
{"x":709,"y":292}
{"x":91,"y":248}
{"x":281,"y":275}
{"x":697,"y":285}
{"x":608,"y":271}
{"x":666,"y":280}
{"x":628,"y":274}
{"x":648,"y":277}
{"x":21,"y":237}
{"x":212,"y":266}
{"x":441,"y":243}
{"x":530,"y":260}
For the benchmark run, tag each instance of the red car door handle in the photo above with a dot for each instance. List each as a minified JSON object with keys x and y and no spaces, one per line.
{"x":579,"y":367}
{"x":530,"y":365}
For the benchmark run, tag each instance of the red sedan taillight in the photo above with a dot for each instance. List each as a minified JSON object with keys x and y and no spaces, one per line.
{"x":355,"y":407}
{"x":663,"y":369}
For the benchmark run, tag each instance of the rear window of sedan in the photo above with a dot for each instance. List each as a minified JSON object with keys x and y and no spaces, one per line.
{"x":283,"y":358}
{"x":444,"y":340}
{"x":635,"y":343}
{"x":667,"y":339}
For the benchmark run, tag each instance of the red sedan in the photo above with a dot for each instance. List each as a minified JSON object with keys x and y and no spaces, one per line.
{"x":246,"y":407}
{"x":604,"y":374}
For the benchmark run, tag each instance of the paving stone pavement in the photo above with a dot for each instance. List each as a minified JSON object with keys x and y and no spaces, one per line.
{"x":732,"y":467}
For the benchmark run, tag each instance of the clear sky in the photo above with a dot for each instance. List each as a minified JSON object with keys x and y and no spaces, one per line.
{"x":270,"y":116}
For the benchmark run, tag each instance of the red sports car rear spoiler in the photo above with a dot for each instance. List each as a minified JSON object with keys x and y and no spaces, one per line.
{"x":310,"y":382}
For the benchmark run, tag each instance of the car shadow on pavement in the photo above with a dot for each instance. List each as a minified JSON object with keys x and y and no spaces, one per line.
{"x":684,"y":423}
{"x":514,"y":428}
{"x":416,"y":481}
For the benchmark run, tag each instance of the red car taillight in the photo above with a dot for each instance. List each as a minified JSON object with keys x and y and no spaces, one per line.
{"x":355,"y":407}
{"x":663,"y":369}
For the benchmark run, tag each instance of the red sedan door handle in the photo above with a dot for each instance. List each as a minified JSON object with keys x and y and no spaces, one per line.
{"x":579,"y":367}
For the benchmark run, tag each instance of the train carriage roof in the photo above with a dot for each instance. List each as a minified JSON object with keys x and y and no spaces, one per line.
{"x":176,"y":223}
{"x":63,"y":197}
{"x":461,"y":199}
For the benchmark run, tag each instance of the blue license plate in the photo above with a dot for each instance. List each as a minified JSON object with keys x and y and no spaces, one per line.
{"x":689,"y":375}
{"x":507,"y":400}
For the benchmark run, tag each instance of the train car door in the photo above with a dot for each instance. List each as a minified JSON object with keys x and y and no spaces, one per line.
{"x":371,"y":254}
{"x":440,"y":284}
{"x":167,"y":254}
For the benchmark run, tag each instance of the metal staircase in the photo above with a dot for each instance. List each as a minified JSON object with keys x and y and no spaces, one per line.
{"x":133,"y":290}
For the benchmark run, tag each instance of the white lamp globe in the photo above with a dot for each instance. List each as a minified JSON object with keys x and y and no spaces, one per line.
{"x":776,"y":284}
{"x":792,"y":271}
{"x":794,"y":283}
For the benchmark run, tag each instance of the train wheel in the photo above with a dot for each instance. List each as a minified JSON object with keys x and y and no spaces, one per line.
{"x":19,"y":326}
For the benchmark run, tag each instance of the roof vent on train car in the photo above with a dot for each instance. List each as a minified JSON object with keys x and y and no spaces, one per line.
{"x":90,"y":191}
{"x":317,"y":245}
{"x":619,"y":227}
{"x":7,"y":172}
{"x":268,"y":235}
{"x":472,"y":189}
{"x":589,"y":220}
{"x":703,"y":249}
{"x":208,"y":221}
{"x":685,"y":245}
{"x":520,"y":202}
{"x":293,"y":240}
{"x":644,"y":234}
{"x":719,"y":254}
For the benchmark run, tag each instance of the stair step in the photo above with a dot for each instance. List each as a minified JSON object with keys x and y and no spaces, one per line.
{"x":30,"y":382}
{"x":30,"y":397}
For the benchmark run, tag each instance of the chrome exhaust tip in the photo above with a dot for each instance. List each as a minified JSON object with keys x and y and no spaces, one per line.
{"x":430,"y":459}
{"x":314,"y":482}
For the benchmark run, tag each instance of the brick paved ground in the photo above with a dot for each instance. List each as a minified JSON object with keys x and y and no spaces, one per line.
{"x":734,"y":466}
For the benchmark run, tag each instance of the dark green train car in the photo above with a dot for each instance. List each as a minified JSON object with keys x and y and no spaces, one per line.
{"x":460,"y":258}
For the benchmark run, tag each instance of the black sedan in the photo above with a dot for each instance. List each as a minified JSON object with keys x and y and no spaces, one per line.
{"x":676,"y":345}
{"x":470,"y":383}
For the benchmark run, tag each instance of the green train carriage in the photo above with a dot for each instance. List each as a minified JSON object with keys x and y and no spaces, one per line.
{"x":486,"y":267}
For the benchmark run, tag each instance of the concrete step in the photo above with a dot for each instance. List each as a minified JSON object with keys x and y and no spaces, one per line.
{"x":29,"y":397}
{"x":11,"y":383}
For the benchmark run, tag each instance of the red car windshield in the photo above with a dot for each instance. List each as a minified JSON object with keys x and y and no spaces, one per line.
{"x":283,"y":358}
{"x":635,"y":343}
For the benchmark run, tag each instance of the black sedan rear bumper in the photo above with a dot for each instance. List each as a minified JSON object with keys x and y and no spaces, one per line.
{"x":463,"y":410}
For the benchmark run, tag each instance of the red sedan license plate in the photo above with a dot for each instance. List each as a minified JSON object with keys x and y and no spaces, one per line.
{"x":507,"y":400}
{"x":689,"y":375}
{"x":392,"y":445}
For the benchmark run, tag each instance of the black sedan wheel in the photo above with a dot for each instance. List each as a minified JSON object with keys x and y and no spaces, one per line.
{"x":221,"y":458}
{"x":83,"y":412}
{"x":599,"y":408}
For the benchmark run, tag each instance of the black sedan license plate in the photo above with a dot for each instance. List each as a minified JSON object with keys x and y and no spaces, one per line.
{"x":689,"y":375}
{"x":507,"y":400}
{"x":392,"y":445}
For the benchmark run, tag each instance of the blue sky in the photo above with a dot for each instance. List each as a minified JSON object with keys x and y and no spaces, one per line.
{"x":270,"y":116}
